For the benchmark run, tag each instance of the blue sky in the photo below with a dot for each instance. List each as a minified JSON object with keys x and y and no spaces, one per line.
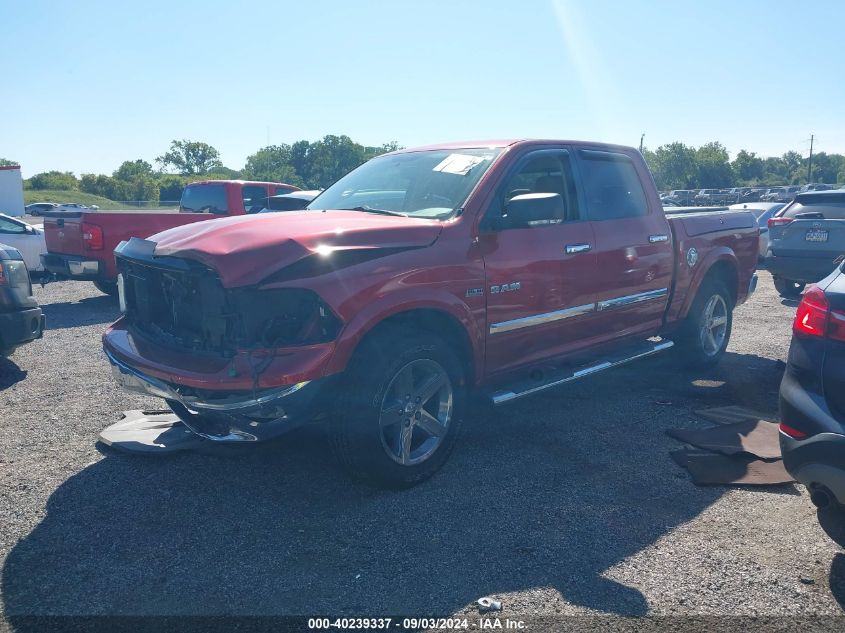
{"x":86,"y":85}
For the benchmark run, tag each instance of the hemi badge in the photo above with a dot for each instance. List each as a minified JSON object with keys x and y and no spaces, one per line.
{"x":475,"y":292}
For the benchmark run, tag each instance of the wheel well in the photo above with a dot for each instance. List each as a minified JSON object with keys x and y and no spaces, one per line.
{"x":725,"y":272}
{"x":438,"y":323}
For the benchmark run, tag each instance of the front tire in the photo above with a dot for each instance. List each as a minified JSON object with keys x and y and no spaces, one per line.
{"x":400,"y":410}
{"x":107,"y":287}
{"x":787,"y":288}
{"x":705,"y":334}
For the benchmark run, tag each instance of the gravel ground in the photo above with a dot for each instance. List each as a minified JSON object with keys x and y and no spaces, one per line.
{"x":567,"y":503}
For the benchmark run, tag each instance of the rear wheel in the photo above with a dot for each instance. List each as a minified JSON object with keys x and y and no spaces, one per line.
{"x":788,"y":288}
{"x":707,"y":330}
{"x":107,"y":287}
{"x":399,"y":415}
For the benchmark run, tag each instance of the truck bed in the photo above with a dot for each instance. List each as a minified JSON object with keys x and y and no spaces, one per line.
{"x":65,"y":231}
{"x":705,"y":237}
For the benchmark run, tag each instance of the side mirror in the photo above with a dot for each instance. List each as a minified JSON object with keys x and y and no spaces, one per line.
{"x":529,"y":209}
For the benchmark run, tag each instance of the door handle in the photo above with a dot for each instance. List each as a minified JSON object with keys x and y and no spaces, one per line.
{"x":577,"y":248}
{"x":658,"y":238}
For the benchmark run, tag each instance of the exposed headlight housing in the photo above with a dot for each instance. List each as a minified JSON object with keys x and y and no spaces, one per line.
{"x":189,"y":308}
{"x":280,"y":317}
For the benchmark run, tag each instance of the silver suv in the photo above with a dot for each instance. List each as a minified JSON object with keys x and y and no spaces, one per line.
{"x":805,"y":239}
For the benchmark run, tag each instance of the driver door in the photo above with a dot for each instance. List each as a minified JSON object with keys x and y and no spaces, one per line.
{"x":539,"y":297}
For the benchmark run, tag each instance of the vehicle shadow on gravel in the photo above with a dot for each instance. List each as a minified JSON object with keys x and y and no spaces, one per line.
{"x":10,"y":373}
{"x":87,"y":311}
{"x":837,"y":579}
{"x":552,"y":492}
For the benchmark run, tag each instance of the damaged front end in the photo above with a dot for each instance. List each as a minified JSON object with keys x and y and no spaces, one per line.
{"x":181,"y":306}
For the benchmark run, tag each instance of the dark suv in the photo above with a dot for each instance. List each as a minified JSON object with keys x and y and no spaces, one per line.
{"x":21,"y":320}
{"x":812,"y":393}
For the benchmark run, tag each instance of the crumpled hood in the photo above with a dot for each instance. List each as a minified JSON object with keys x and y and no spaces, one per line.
{"x":246,"y":249}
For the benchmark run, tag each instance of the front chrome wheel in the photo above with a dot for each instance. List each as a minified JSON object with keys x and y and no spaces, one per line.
{"x":714,"y":325}
{"x":416,"y":412}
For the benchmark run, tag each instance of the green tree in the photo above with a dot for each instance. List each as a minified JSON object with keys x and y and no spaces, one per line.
{"x":826,"y":167}
{"x":774,"y":171}
{"x":714,"y":167}
{"x":131,"y":169}
{"x":748,"y":167}
{"x":64,"y":180}
{"x":299,"y":161}
{"x":331,"y":158}
{"x":5,"y":162}
{"x":106,"y":186}
{"x":673,"y":166}
{"x":793,"y":166}
{"x":171,"y":186}
{"x":223,"y":173}
{"x":144,"y":189}
{"x":273,"y":164}
{"x":190,"y":158}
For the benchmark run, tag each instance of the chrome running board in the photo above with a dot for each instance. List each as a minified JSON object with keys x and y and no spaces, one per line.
{"x":529,"y":387}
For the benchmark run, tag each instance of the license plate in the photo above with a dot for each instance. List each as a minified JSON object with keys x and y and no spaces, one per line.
{"x":816,"y":235}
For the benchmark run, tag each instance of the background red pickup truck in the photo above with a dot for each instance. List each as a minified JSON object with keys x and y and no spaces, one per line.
{"x":81,"y":245}
{"x":500,"y":268}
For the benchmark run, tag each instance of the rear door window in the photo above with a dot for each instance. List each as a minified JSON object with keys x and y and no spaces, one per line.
{"x":204,"y":199}
{"x":611,"y":185}
{"x":254,"y":198}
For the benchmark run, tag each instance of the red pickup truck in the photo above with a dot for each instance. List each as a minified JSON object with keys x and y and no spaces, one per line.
{"x":425,"y":275}
{"x":80,"y":244}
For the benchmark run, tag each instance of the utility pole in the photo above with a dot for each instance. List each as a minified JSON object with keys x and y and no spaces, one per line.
{"x":641,"y":142}
{"x":810,"y":162}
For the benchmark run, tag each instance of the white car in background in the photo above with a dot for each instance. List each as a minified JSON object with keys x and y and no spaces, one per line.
{"x":762,"y":211}
{"x":75,"y":206}
{"x":27,"y":238}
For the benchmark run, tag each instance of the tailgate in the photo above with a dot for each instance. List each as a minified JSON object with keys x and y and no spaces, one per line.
{"x":818,"y":238}
{"x":64,"y":235}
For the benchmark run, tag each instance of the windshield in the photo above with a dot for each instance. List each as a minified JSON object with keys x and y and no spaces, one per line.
{"x":429,"y":184}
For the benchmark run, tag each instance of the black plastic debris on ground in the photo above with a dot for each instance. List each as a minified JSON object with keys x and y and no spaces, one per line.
{"x":151,"y":433}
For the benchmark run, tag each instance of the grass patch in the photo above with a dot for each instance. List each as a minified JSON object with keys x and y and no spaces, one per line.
{"x":88,"y":199}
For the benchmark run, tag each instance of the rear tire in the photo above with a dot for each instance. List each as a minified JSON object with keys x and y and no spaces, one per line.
{"x":107,"y":287}
{"x":707,"y":329}
{"x":788,"y":288}
{"x":400,"y":410}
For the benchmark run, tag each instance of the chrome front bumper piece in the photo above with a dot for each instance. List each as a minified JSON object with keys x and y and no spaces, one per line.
{"x":235,"y":418}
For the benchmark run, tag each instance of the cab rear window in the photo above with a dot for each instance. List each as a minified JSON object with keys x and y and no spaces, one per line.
{"x":204,"y":199}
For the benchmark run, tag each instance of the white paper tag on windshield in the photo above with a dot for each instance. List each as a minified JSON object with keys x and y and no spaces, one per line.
{"x":459,"y":164}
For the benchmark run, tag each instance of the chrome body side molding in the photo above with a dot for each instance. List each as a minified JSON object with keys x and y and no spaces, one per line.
{"x":539,"y":319}
{"x":607,"y":304}
{"x":568,"y":313}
